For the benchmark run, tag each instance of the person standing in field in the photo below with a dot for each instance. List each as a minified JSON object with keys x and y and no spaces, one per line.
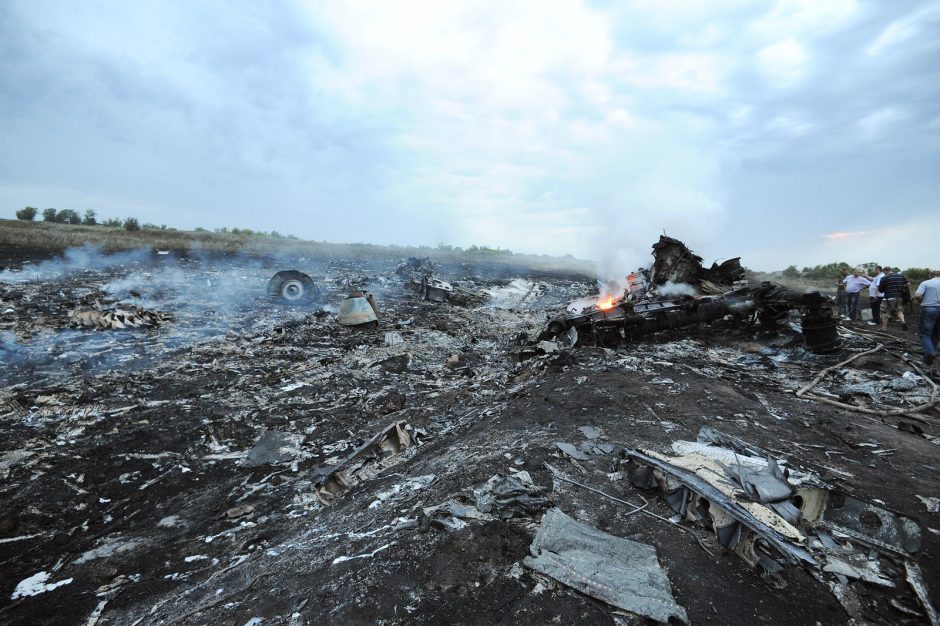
{"x":841,"y":300}
{"x":928,"y":294}
{"x":853,"y":288}
{"x":893,"y":286}
{"x":875,"y":296}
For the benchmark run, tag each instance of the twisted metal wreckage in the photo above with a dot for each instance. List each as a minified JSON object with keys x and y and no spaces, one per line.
{"x":646,"y":306}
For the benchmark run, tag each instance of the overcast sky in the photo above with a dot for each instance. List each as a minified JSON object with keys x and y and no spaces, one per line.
{"x":790,"y":132}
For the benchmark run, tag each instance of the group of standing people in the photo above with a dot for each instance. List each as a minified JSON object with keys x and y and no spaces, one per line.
{"x":889,"y":292}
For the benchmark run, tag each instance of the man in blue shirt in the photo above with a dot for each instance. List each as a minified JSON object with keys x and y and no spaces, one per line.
{"x":928,"y":294}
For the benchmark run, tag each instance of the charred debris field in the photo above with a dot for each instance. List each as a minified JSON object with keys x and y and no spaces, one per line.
{"x":187,"y":440}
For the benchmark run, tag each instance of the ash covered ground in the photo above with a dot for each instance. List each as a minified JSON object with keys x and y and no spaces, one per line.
{"x":173,"y":473}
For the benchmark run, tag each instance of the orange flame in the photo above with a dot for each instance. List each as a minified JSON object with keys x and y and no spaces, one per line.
{"x":605,"y":303}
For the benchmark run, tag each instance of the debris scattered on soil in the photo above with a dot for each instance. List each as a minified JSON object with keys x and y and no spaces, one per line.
{"x":249,"y":457}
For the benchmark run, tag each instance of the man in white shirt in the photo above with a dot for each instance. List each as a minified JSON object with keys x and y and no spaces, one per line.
{"x":853,"y":287}
{"x":928,"y":294}
{"x":875,"y":296}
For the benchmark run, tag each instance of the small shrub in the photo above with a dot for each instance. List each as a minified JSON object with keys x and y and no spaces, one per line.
{"x":131,"y":224}
{"x":112,"y":223}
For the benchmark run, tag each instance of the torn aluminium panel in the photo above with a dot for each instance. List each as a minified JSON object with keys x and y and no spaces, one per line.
{"x":376,"y":454}
{"x":623,"y":573}
{"x":729,"y":518}
{"x":825,"y":506}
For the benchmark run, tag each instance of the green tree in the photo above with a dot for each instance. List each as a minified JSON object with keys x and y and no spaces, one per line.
{"x":112,"y":222}
{"x":917,"y":275}
{"x":90,"y":218}
{"x":791,"y":272}
{"x":68,"y":216}
{"x":131,"y":224}
{"x":27,"y":214}
{"x":49,"y":215}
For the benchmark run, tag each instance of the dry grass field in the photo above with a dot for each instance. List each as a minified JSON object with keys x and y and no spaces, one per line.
{"x":57,"y":237}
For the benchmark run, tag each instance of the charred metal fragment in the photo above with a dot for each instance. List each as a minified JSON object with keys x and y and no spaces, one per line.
{"x":629,"y":320}
{"x":674,"y":263}
{"x":732,"y":511}
{"x":827,"y":507}
{"x":819,"y":325}
{"x":366,"y":461}
{"x":358,"y":309}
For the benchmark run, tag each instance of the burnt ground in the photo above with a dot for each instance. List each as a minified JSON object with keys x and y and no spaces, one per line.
{"x":125,"y":453}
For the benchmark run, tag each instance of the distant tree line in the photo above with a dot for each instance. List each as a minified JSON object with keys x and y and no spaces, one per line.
{"x":130,"y":224}
{"x":830,"y":272}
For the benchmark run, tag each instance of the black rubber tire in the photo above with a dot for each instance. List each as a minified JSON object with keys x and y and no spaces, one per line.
{"x":293,"y":287}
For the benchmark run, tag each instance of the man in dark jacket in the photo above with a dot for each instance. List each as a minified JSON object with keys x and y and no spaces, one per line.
{"x":893,"y":285}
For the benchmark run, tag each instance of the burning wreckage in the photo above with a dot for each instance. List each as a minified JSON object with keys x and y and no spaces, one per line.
{"x":226,"y":458}
{"x":647,"y":305}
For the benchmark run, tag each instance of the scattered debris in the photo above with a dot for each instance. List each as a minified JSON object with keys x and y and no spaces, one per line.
{"x":36,"y":584}
{"x":241,"y":440}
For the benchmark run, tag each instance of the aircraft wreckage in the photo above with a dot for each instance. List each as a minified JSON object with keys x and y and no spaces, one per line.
{"x":648,"y":305}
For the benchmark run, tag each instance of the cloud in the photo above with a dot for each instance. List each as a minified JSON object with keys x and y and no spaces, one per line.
{"x":916,"y":29}
{"x":877,"y":122}
{"x":784,"y":62}
{"x":842,"y":235}
{"x":564,"y":126}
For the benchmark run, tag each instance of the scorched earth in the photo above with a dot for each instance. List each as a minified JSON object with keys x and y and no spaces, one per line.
{"x":217,"y":456}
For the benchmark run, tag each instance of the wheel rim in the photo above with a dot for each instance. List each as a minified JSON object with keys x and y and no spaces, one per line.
{"x":292,"y":290}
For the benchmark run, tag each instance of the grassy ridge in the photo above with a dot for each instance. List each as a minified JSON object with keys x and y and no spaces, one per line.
{"x":57,"y":237}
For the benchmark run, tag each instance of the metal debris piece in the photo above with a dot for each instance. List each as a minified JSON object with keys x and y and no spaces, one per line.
{"x":623,"y":573}
{"x":571,"y":451}
{"x":915,"y":578}
{"x":932,"y":504}
{"x":415,"y":266}
{"x":857,"y":566}
{"x":271,"y":448}
{"x":358,"y":309}
{"x":116,"y":319}
{"x":591,"y":432}
{"x":394,"y":339}
{"x":510,"y":496}
{"x":873,"y":525}
{"x":366,"y":461}
{"x":452,"y":515}
{"x":728,"y":517}
{"x":824,"y":505}
{"x":437,"y":290}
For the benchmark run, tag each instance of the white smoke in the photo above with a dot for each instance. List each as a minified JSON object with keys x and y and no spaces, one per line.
{"x":671,"y":289}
